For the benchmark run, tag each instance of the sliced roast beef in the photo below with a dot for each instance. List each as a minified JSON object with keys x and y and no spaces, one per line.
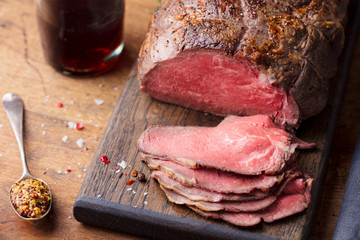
{"x":248,"y":206}
{"x":286,"y":205}
{"x":250,"y":145}
{"x":215,"y":180}
{"x":201,"y":194}
{"x":243,"y":57}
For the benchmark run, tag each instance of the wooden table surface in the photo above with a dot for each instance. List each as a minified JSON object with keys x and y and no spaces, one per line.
{"x":23,"y":70}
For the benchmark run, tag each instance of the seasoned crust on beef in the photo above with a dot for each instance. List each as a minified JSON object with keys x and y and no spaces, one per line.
{"x":296,"y":43}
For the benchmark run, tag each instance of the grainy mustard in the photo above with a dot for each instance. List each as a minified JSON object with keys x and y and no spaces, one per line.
{"x":30,"y":198}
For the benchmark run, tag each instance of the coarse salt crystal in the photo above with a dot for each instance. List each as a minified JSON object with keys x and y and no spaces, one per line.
{"x":59,"y":171}
{"x":43,"y":133}
{"x":72,"y":125}
{"x":80,"y":142}
{"x":0,"y":155}
{"x":79,"y":115}
{"x":123,"y":164}
{"x":133,"y":192}
{"x":79,"y":176}
{"x":85,"y":170}
{"x":1,"y":125}
{"x":42,"y":125}
{"x":117,"y":171}
{"x":71,"y":102}
{"x":116,"y":88}
{"x":69,"y":217}
{"x":145,"y":193}
{"x":145,"y":202}
{"x":64,"y":138}
{"x":129,"y":189}
{"x":79,"y":163}
{"x":99,"y":195}
{"x":99,"y":101}
{"x":96,"y":125}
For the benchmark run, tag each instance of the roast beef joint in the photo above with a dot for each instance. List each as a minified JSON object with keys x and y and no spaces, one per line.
{"x":265,"y":66}
{"x":243,"y":57}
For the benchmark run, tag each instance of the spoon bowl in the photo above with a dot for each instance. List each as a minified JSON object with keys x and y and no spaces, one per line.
{"x":14,"y":108}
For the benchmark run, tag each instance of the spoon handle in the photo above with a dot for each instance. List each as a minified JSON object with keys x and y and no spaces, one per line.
{"x":14,"y":108}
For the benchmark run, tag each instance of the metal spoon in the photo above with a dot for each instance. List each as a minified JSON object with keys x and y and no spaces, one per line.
{"x":14,"y":108}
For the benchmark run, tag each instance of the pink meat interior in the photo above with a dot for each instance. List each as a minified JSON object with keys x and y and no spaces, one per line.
{"x":211,"y":81}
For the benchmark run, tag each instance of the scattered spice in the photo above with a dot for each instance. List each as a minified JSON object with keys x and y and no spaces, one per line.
{"x":141,"y":177}
{"x":120,"y":175}
{"x":117,"y":167}
{"x":68,"y":170}
{"x":104,"y":159}
{"x":131,"y":181}
{"x":79,"y":126}
{"x":134,"y":173}
{"x":30,"y":198}
{"x":59,"y":105}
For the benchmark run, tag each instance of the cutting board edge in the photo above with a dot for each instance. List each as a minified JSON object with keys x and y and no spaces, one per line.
{"x":147,"y":223}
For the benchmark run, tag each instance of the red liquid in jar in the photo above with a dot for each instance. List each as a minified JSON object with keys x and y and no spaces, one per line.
{"x":82,"y":36}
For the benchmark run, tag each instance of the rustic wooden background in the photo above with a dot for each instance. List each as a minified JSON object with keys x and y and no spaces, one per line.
{"x":23,"y":70}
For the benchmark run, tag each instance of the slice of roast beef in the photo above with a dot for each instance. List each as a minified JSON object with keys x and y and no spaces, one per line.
{"x":248,"y":206}
{"x":250,"y":145}
{"x":215,"y":180}
{"x":201,"y":194}
{"x":286,"y":205}
{"x":243,"y":57}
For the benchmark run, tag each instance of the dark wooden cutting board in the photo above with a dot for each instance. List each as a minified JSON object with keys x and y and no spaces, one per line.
{"x":105,"y":200}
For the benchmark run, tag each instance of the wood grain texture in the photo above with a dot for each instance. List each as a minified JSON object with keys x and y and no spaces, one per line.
{"x":135,"y":112}
{"x":24,"y":70}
